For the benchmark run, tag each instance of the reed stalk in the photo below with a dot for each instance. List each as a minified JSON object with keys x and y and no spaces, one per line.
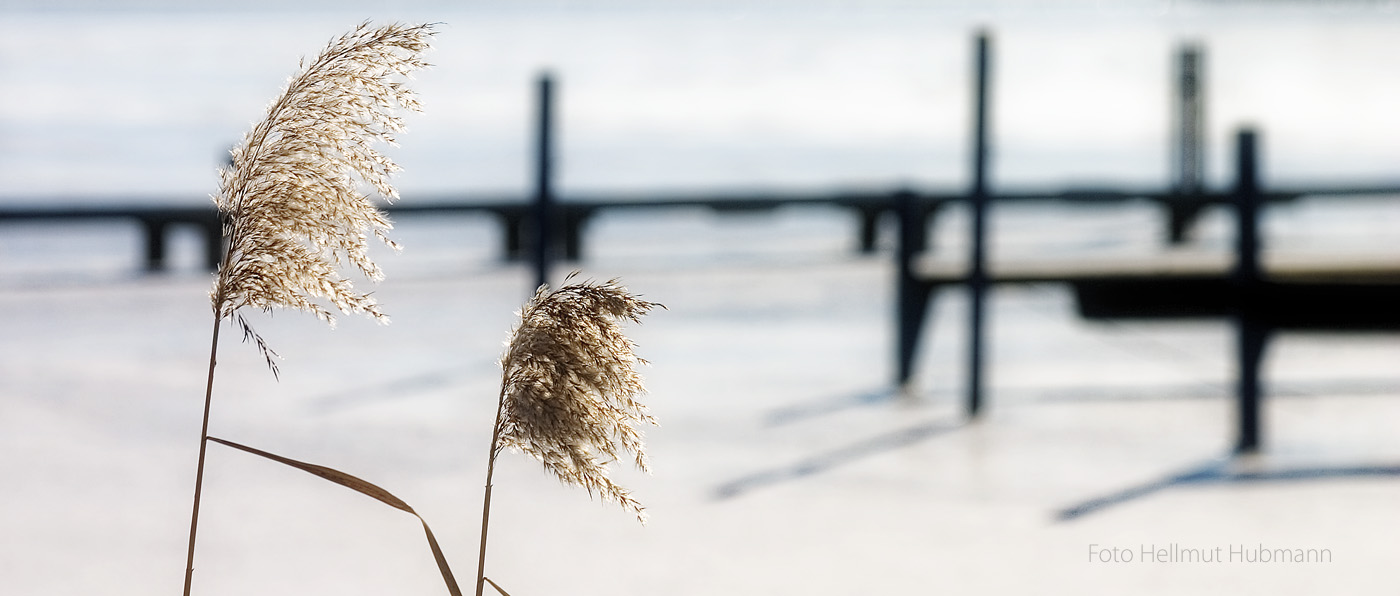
{"x":203,"y":444}
{"x":486,"y":500}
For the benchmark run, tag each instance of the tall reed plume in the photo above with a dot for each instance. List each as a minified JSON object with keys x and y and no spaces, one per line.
{"x":292,"y":208}
{"x":569,"y":390}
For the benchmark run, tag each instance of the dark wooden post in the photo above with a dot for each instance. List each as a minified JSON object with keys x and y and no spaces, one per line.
{"x":1188,"y":155}
{"x":155,"y":243}
{"x":515,"y":226}
{"x":544,"y":178}
{"x":1251,"y":331}
{"x":574,"y":219}
{"x":911,"y":295}
{"x":213,"y":232}
{"x":978,"y":199}
{"x":869,"y":228}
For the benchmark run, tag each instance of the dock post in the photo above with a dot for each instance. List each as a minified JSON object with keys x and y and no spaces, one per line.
{"x":544,"y":178}
{"x":869,"y":228}
{"x":514,"y":226}
{"x":1251,"y":331}
{"x":911,"y":294}
{"x":213,"y":231}
{"x":155,"y":243}
{"x":977,"y":272}
{"x":574,"y":219}
{"x":1188,"y":163}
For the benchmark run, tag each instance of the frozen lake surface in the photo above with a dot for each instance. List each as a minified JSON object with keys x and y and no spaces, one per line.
{"x":783,"y":464}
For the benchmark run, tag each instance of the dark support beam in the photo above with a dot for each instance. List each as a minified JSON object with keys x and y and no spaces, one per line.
{"x":574,"y":221}
{"x":1251,"y":329}
{"x":544,"y":178}
{"x":911,"y":294}
{"x":155,"y":243}
{"x":1247,"y":204}
{"x":869,"y":228}
{"x":1252,"y":338}
{"x":977,"y":270}
{"x":212,"y":230}
{"x":514,"y":232}
{"x":1188,"y":155}
{"x":1182,"y":213}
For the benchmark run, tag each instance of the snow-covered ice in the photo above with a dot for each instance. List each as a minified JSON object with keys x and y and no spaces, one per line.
{"x":783,"y":463}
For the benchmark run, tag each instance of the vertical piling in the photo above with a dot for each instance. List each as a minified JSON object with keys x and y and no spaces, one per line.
{"x":155,"y":243}
{"x":1188,"y":151}
{"x":213,"y":232}
{"x":911,"y":295}
{"x":1189,"y":162}
{"x":544,"y":177}
{"x":1251,"y":331}
{"x":869,"y":229}
{"x":978,"y":198}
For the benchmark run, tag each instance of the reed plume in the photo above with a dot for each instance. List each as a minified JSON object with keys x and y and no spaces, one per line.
{"x":291,"y":204}
{"x":569,"y":390}
{"x":291,"y":200}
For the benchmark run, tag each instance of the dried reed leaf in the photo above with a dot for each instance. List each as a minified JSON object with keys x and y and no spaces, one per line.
{"x":291,"y":202}
{"x":365,"y":488}
{"x":570,"y":386}
{"x":498,"y":588}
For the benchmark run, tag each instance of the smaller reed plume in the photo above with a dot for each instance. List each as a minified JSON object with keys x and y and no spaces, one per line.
{"x":569,"y":391}
{"x":290,"y":200}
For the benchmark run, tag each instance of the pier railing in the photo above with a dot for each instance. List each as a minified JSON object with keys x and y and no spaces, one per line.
{"x":1260,"y":293}
{"x":542,"y":225}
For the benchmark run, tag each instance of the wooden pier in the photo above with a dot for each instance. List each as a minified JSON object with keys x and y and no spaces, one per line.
{"x":566,"y":215}
{"x":1260,"y":292}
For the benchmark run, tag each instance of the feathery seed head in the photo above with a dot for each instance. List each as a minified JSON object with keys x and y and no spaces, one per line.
{"x":570,"y":386}
{"x":292,"y":209}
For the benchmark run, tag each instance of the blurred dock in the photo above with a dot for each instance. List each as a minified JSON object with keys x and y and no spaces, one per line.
{"x":1259,"y":293}
{"x":567,"y":215}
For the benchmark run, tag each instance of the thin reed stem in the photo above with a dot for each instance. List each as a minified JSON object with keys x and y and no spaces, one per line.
{"x":486,"y":500}
{"x":203,"y":444}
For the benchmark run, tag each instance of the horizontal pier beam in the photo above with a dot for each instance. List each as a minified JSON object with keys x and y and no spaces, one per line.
{"x":513,"y":213}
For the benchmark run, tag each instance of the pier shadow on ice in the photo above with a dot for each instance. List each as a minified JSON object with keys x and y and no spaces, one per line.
{"x":1224,"y":471}
{"x":829,"y":405}
{"x":828,"y":460}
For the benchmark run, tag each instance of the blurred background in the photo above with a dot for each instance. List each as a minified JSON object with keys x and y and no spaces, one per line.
{"x":786,"y":462}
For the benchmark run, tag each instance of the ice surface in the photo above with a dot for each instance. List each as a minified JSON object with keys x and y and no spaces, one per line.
{"x":783,"y":464}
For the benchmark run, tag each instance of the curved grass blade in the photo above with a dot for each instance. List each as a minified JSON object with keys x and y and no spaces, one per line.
{"x":498,"y":588}
{"x":365,"y":488}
